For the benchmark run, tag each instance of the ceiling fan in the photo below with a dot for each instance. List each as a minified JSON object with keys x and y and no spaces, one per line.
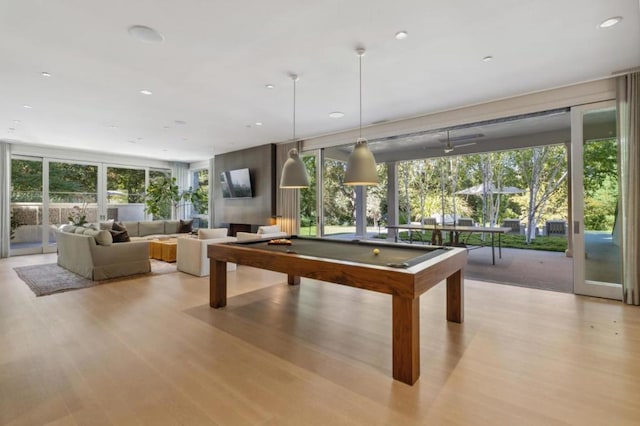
{"x":449,"y":147}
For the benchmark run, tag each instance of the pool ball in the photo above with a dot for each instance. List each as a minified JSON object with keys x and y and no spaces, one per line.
{"x":376,"y":252}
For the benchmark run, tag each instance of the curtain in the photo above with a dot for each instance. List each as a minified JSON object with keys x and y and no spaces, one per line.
{"x":628,"y":99}
{"x":5,"y":198}
{"x":212,"y":176}
{"x":288,"y":200}
{"x":180,"y":171}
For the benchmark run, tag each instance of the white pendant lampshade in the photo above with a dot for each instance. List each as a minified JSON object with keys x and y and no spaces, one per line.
{"x":361,"y":165}
{"x":294,"y":174}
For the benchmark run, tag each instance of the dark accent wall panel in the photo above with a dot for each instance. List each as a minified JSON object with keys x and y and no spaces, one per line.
{"x":258,"y":210}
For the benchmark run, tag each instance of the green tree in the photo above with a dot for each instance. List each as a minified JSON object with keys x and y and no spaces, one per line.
{"x":600,"y":184}
{"x":543,"y":170}
{"x":308,"y":205}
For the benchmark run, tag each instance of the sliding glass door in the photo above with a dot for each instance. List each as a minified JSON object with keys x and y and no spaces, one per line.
{"x":597,"y":224}
{"x":26,"y":205}
{"x":309,"y":219}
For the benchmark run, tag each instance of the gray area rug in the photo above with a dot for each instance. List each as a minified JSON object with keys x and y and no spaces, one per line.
{"x":51,"y":278}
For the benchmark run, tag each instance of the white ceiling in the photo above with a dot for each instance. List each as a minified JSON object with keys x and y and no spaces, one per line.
{"x":217,"y":57}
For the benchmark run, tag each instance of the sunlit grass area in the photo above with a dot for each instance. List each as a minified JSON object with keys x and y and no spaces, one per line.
{"x":545,"y":243}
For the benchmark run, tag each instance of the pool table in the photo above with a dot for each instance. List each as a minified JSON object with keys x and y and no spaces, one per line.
{"x":404,"y":271}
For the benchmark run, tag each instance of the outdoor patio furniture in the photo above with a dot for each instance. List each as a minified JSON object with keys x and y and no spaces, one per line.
{"x":514,"y":224}
{"x":556,"y":227}
{"x":465,"y":221}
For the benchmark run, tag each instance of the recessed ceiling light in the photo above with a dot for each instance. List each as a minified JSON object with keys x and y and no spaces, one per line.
{"x":17,"y":121}
{"x":269,"y":86}
{"x":610,"y":22}
{"x":487,"y":58}
{"x":258,"y":123}
{"x":146,"y":92}
{"x":401,"y":35}
{"x":165,"y":150}
{"x":132,"y":141}
{"x":27,"y":106}
{"x":165,"y":127}
{"x":45,"y":74}
{"x":336,"y":114}
{"x":145,"y":34}
{"x":12,"y":129}
{"x":180,"y":122}
{"x":139,"y":139}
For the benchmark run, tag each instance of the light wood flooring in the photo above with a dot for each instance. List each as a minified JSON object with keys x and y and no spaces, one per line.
{"x":151,"y":351}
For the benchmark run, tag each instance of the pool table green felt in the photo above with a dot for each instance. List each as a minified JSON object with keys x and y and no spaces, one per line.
{"x":394,"y":255}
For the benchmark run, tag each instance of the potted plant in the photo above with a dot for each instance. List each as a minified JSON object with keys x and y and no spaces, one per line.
{"x":163,"y":197}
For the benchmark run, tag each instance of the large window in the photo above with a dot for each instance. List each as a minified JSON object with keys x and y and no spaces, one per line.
{"x":165,"y":210}
{"x":125,"y":194}
{"x":200,"y":198}
{"x":73,"y":193}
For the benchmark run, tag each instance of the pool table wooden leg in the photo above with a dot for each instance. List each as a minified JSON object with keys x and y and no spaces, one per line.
{"x":217,"y":284}
{"x":455,"y":297}
{"x":293,"y":279}
{"x":406,"y":339}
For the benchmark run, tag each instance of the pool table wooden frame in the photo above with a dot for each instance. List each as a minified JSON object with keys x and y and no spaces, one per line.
{"x":404,"y":284}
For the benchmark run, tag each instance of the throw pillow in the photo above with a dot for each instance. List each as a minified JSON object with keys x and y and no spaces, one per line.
{"x":118,"y":226}
{"x":185,"y":226}
{"x":107,"y":225}
{"x":120,"y":236}
{"x":104,"y":238}
{"x":269,"y":229}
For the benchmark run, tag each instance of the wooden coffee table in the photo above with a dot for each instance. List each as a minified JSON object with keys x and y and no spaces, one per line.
{"x":164,"y":250}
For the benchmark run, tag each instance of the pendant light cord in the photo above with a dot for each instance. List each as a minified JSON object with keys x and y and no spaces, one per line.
{"x":294,"y":78}
{"x":361,"y":95}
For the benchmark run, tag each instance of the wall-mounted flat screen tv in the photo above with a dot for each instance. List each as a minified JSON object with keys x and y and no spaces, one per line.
{"x":236,"y":184}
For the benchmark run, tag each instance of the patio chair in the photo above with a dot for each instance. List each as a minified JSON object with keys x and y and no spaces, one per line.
{"x":430,"y":221}
{"x":514,"y":224}
{"x":556,"y":227}
{"x":465,"y":221}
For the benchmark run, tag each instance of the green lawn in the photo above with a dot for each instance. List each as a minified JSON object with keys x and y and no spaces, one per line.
{"x":510,"y":241}
{"x":558,"y":244}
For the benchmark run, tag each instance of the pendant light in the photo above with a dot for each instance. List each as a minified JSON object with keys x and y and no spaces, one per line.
{"x":361,"y":166}
{"x":294,"y":174}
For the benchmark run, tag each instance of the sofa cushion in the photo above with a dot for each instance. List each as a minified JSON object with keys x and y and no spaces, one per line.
{"x":79,"y":230}
{"x":132,"y":228}
{"x":171,"y":226}
{"x":207,"y":234}
{"x":269,"y":229}
{"x":155,"y":227}
{"x":185,"y":226}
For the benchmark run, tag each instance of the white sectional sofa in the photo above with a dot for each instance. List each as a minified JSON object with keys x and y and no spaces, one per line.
{"x":264,"y":232}
{"x":92,"y":254}
{"x":192,"y":253}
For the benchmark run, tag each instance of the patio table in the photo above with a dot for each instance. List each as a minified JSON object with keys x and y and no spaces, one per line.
{"x":454,"y":234}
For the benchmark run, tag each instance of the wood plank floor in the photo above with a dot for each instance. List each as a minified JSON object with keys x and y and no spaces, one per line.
{"x":151,"y":351}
